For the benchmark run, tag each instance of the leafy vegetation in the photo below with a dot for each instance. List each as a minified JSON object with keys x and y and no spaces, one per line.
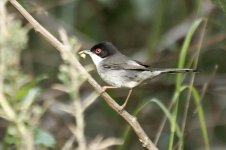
{"x":45,"y":103}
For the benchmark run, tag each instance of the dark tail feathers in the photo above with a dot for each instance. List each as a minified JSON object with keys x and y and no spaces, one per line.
{"x":178,"y":70}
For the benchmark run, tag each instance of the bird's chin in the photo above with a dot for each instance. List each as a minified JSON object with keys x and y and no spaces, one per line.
{"x":96,"y":59}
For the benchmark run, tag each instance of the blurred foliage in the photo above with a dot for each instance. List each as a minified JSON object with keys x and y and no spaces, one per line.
{"x":221,"y":4}
{"x":18,"y":90}
{"x":44,"y":108}
{"x":43,"y":138}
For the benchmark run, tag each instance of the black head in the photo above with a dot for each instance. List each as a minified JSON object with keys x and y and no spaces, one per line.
{"x":104,"y":49}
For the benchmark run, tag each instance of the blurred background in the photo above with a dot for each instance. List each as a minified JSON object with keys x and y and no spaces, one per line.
{"x":150,"y":31}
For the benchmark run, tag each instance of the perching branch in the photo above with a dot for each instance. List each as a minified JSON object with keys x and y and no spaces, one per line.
{"x":143,"y":138}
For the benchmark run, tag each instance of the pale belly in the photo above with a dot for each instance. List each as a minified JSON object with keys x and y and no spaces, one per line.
{"x":124,"y":78}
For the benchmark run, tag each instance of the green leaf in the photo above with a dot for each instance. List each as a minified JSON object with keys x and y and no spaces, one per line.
{"x":26,"y":88}
{"x":179,"y":77}
{"x":168,"y":115}
{"x":183,"y":53}
{"x":30,"y":97}
{"x":10,"y":137}
{"x":126,"y":133}
{"x":44,"y":138}
{"x":201,"y":117}
{"x":164,"y":109}
{"x":221,"y":4}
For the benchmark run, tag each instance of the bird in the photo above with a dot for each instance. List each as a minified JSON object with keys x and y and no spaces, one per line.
{"x":120,"y":71}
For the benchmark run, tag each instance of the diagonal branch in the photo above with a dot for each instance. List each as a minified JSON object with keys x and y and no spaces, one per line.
{"x":132,"y":121}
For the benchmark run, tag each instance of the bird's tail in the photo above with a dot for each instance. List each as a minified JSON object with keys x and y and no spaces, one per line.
{"x":177,"y":70}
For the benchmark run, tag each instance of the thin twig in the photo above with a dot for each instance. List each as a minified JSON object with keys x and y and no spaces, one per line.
{"x":89,"y":100}
{"x":162,"y":125}
{"x":78,"y":111}
{"x":69,"y":143}
{"x":9,"y":113}
{"x":187,"y":103}
{"x":206,"y":85}
{"x":143,"y":138}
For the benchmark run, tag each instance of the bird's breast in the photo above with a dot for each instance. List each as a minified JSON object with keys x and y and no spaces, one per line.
{"x":125,"y":78}
{"x":120,"y":78}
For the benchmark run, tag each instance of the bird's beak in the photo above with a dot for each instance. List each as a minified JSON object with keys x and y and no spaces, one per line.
{"x":84,"y":52}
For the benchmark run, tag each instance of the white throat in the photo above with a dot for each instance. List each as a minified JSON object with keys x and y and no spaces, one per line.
{"x":96,"y":59}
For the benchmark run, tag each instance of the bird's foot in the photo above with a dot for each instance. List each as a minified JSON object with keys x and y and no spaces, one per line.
{"x":122,"y":107}
{"x":104,"y":88}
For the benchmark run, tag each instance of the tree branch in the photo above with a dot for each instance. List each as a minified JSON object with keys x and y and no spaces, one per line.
{"x":143,"y":138}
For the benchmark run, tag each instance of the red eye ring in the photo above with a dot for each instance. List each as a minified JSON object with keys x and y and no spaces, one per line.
{"x":98,"y":51}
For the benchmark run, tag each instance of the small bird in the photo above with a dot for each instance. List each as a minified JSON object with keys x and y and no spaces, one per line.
{"x":119,"y":71}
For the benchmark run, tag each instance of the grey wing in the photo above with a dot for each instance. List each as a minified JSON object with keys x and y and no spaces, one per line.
{"x":126,"y":65}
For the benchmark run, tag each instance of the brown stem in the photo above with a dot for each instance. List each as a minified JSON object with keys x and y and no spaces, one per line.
{"x":143,"y":138}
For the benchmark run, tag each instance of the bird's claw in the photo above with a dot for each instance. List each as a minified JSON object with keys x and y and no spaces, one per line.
{"x":103,"y":90}
{"x":122,"y":107}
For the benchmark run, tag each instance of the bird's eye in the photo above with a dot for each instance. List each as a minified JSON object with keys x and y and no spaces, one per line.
{"x":98,"y":51}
